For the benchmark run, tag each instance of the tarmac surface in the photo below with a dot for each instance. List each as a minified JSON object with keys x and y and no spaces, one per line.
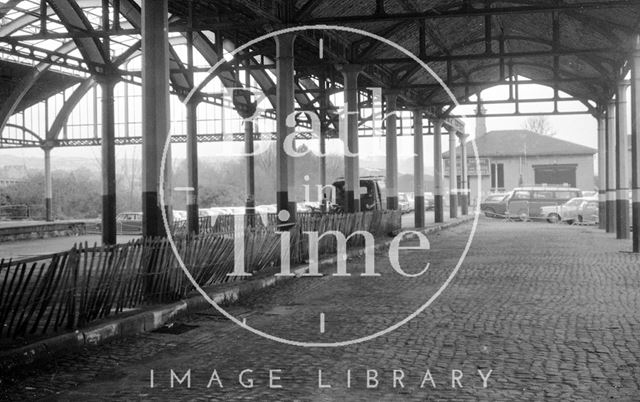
{"x":536,"y":311}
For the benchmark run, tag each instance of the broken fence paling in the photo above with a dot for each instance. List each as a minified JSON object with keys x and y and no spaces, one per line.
{"x":69,"y":290}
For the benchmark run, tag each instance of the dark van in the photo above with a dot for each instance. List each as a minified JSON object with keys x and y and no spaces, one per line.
{"x":525,"y":202}
{"x":373,"y":194}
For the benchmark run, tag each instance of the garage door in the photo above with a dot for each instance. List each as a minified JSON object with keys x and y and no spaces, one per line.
{"x":555,"y":174}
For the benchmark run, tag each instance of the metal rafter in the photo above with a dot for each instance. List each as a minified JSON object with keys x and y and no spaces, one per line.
{"x":8,"y":6}
{"x":593,"y":57}
{"x":306,"y":9}
{"x":466,"y":11}
{"x":73,"y":18}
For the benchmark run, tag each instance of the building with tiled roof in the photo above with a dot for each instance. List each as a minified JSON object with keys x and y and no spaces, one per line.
{"x":511,"y":158}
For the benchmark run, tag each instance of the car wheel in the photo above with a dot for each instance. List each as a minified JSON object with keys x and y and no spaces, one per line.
{"x":580,"y":219}
{"x":489,"y":212}
{"x":553,"y":218}
{"x":570,"y":221}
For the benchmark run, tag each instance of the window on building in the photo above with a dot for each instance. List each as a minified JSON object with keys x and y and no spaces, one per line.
{"x":497,"y":176}
{"x":556,"y":174}
{"x":493,"y":176}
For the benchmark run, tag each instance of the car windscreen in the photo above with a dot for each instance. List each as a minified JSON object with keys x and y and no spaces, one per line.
{"x":574,"y":203}
{"x":521,"y":195}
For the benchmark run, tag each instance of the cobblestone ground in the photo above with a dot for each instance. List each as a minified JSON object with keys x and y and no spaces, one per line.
{"x":550,"y":311}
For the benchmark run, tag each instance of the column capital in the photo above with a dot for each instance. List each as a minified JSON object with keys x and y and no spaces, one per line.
{"x":245,"y":111}
{"x":600,"y":111}
{"x":623,"y":85}
{"x":284,"y":45}
{"x":391,"y":91}
{"x":391,"y":96}
{"x":108,"y":78}
{"x":47,"y":145}
{"x":195,"y":99}
{"x":350,"y":68}
{"x":247,"y":108}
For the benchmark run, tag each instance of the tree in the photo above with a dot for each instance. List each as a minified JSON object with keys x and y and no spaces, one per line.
{"x":539,"y":125}
{"x":76,"y":194}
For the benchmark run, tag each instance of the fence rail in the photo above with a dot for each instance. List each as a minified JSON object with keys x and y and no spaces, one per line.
{"x":14,"y":211}
{"x":71,"y":289}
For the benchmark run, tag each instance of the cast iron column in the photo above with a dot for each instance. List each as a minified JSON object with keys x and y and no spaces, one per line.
{"x":391,"y":152}
{"x":48,"y":185}
{"x":193,"y":216}
{"x":635,"y":144}
{"x":602,"y":171}
{"x":155,"y":111}
{"x":622,"y":156}
{"x":453,"y":175}
{"x":418,"y":168}
{"x":246,"y":110}
{"x":250,"y":173}
{"x":322,"y":86}
{"x":107,"y":84}
{"x":437,"y":171}
{"x":611,"y":167}
{"x":350,"y":74}
{"x":464,"y":193}
{"x":284,"y":107}
{"x":193,"y":219}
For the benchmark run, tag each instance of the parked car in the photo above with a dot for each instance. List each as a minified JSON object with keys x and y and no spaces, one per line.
{"x":405,"y":203}
{"x":266,"y":209}
{"x":571,"y":211}
{"x":302,"y":207}
{"x":179,"y":215}
{"x":495,"y":205}
{"x":526,"y":202}
{"x":590,"y":211}
{"x":129,"y":222}
{"x":429,"y":200}
{"x":237,"y":210}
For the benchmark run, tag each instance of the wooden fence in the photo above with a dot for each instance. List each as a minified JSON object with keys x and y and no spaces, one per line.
{"x":71,"y":289}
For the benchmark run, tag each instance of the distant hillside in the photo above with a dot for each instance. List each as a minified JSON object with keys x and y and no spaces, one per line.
{"x":58,"y":162}
{"x":405,"y":183}
{"x":369,"y":165}
{"x":405,"y":165}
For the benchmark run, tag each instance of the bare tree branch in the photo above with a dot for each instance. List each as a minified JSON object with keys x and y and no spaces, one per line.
{"x":539,"y":125}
